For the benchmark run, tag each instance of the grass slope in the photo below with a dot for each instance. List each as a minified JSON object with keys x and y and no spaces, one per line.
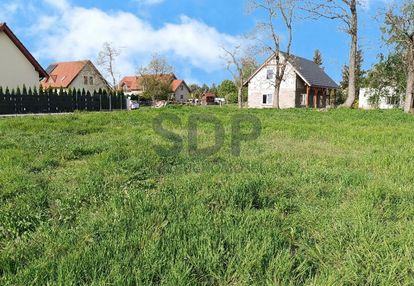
{"x":319,"y":199}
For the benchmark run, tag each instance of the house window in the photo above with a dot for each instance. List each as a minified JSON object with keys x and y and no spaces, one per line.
{"x":270,"y":74}
{"x":85,"y":80}
{"x":182,"y":87}
{"x":303,"y":99}
{"x":267,"y":99}
{"x":182,"y":96}
{"x":392,"y":100}
{"x":91,"y":80}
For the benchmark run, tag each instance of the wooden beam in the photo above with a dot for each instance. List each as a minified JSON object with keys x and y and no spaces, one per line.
{"x":315,"y":98}
{"x":329,"y":98}
{"x":307,"y":95}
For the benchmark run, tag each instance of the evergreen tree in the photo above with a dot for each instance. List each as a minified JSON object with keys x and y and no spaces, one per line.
{"x":317,"y":58}
{"x":214,"y":89}
{"x":360,"y":73}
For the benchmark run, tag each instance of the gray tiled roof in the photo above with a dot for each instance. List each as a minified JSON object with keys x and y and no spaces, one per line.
{"x":312,"y":73}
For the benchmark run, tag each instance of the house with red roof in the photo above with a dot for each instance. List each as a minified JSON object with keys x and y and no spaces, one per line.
{"x":17,"y":66}
{"x":133,"y":85}
{"x":75,"y":75}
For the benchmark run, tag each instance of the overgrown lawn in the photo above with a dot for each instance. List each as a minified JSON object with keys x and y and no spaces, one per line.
{"x":321,"y":198}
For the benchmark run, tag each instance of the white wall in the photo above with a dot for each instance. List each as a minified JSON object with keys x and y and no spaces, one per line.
{"x":366,"y":93}
{"x":260,"y":85}
{"x":88,"y":71}
{"x":15,"y":68}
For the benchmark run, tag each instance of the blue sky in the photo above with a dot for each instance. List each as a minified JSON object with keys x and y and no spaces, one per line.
{"x":189,"y":33}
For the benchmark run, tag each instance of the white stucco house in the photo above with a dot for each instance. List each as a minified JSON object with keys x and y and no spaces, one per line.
{"x":389,"y":99}
{"x":75,"y":75}
{"x":133,"y":85}
{"x":305,"y":85}
{"x":17,"y":66}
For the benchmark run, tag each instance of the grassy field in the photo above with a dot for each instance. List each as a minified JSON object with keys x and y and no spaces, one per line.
{"x":321,"y":198}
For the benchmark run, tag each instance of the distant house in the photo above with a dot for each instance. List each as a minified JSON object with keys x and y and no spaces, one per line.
{"x":208,"y":98}
{"x":133,"y":85}
{"x":388,"y":99}
{"x":17,"y":66}
{"x":305,"y":85}
{"x":78,"y":75}
{"x":181,"y":90}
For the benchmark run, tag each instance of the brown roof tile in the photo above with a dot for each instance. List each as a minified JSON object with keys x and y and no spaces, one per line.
{"x":63,"y":74}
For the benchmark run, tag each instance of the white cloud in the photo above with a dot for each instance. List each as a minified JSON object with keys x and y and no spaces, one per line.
{"x":8,"y":10}
{"x":75,"y":33}
{"x":148,"y":2}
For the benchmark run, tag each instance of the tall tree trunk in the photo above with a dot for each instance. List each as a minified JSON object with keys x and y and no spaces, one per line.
{"x":240,"y":96}
{"x":276,"y":96}
{"x":408,"y":106}
{"x":352,"y":57}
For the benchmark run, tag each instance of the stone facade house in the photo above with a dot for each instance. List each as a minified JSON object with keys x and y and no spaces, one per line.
{"x":18,"y":67}
{"x":305,"y":85}
{"x":78,"y":75}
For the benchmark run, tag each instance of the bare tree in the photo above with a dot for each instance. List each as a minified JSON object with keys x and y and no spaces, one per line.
{"x":276,"y":10}
{"x":239,"y":64}
{"x":399,"y":31}
{"x":156,"y":78}
{"x":106,"y":60}
{"x":345,"y":11}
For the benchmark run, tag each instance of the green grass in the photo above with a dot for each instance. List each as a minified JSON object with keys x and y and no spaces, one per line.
{"x":321,"y":198}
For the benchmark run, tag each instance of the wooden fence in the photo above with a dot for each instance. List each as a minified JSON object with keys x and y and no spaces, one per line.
{"x":53,"y":102}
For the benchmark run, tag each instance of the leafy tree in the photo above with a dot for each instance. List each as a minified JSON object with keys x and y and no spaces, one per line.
{"x":398,"y":31}
{"x":196,"y":91}
{"x":317,"y":58}
{"x":226,"y":87}
{"x":385,"y":75}
{"x":213,"y":89}
{"x":359,"y":74}
{"x":205,"y":87}
{"x":156,"y":78}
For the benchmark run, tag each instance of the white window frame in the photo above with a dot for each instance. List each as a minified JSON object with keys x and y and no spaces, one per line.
{"x":268,"y":72}
{"x":269,"y":99}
